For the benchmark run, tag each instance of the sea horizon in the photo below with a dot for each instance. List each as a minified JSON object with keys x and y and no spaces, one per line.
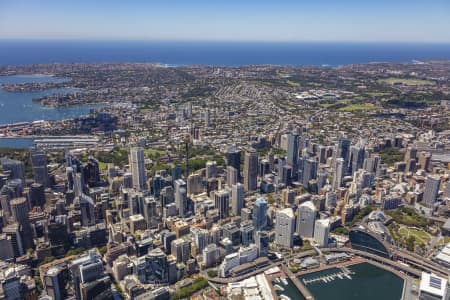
{"x":16,"y":52}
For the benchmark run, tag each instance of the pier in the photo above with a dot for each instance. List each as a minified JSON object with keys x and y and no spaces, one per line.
{"x":302,"y":289}
{"x":343,"y":274}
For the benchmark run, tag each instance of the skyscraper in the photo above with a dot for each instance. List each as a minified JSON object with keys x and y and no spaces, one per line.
{"x":338,"y":173}
{"x":251,"y":170}
{"x":260,"y":213}
{"x":292,"y":153}
{"x":344,"y":153}
{"x":309,"y":171}
{"x":262,"y":242}
{"x":237,"y":199}
{"x":194,"y":184}
{"x":137,"y":165}
{"x":432,"y":185}
{"x":321,"y":232}
{"x":306,"y":219}
{"x":180,"y":196}
{"x":411,"y":153}
{"x":356,"y":158}
{"x":19,"y":210}
{"x":232,"y":176}
{"x":211,"y":169}
{"x":233,"y":158}
{"x":285,"y":227}
{"x":39,"y":164}
{"x":222,"y":203}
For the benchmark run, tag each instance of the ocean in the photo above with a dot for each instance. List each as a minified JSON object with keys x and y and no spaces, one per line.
{"x":25,"y":52}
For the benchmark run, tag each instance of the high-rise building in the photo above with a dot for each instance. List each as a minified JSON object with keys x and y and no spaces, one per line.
{"x":233,"y":158}
{"x":6,"y":248}
{"x":321,"y":232}
{"x":15,"y":167}
{"x":232,"y":176}
{"x":39,"y":164}
{"x":211,"y":255}
{"x":356,"y":158}
{"x":432,"y":185}
{"x":89,"y":279}
{"x":54,"y":283}
{"x":285,"y":227}
{"x":207,"y":118}
{"x":200,"y":237}
{"x":260,"y":214}
{"x":158,"y":184}
{"x":264,"y":167}
{"x":19,"y":211}
{"x":309,"y":171}
{"x":194,"y":184}
{"x":211,"y":169}
{"x":237,"y":198}
{"x":180,"y":196}
{"x":411,"y":153}
{"x":425,"y":160}
{"x":343,"y":152}
{"x":222,"y":203}
{"x":262,"y":242}
{"x":251,"y":170}
{"x":306,"y":219}
{"x":292,"y":152}
{"x":36,"y":195}
{"x":137,"y":165}
{"x":247,"y":233}
{"x":338,"y":173}
{"x":180,"y":249}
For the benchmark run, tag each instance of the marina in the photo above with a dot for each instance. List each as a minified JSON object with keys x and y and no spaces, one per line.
{"x":345,"y":273}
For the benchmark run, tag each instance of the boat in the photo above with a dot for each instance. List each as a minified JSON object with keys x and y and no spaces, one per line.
{"x":284,"y":280}
{"x":284,"y":297}
{"x":348,"y":276}
{"x":278,"y":287}
{"x":340,"y":276}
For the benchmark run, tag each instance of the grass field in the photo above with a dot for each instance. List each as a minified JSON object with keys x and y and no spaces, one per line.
{"x":420,"y":235}
{"x":355,"y":107}
{"x":293,"y":83}
{"x":443,"y":241}
{"x":406,"y":81}
{"x":152,"y":152}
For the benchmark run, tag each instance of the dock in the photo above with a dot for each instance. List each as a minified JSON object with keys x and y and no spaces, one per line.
{"x":302,"y":289}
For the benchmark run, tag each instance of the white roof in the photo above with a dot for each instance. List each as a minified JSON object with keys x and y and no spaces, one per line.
{"x":433,"y":284}
{"x":288,"y":211}
{"x":308,"y":204}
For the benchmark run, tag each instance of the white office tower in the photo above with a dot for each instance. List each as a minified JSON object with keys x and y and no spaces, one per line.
{"x":194,"y":184}
{"x":232,"y":176}
{"x":306,"y":219}
{"x":330,"y":199}
{"x":321,"y":232}
{"x":237,"y":198}
{"x":210,"y":255}
{"x":230,"y":261}
{"x":431,"y":190}
{"x":180,"y":196}
{"x":338,"y":173}
{"x":433,"y":287}
{"x":137,"y":165}
{"x":285,"y":227}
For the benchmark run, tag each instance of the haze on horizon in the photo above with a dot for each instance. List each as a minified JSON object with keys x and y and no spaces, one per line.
{"x":230,"y":20}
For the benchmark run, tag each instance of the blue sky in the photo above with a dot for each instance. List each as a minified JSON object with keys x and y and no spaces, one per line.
{"x":240,"y":20}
